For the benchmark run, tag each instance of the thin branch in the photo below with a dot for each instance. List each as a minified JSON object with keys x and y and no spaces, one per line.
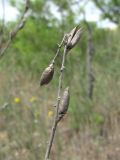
{"x":89,"y":59}
{"x":90,"y":54}
{"x":107,"y":13}
{"x":3,"y":18}
{"x":16,"y":29}
{"x":58,"y":50}
{"x":4,"y":106}
{"x":57,"y":107}
{"x":3,"y":23}
{"x":69,"y":40}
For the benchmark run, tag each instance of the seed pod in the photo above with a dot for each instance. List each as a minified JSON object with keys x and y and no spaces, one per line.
{"x":64,"y":103}
{"x":71,"y":35}
{"x":47,"y":75}
{"x":74,"y":37}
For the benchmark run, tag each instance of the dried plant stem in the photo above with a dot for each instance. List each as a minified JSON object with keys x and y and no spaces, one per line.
{"x":58,"y":50}
{"x":89,"y":61}
{"x":3,"y":22}
{"x":49,"y":146}
{"x":16,"y":29}
{"x":69,"y":41}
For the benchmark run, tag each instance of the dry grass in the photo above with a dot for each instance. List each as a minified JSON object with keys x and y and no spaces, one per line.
{"x":25,"y":124}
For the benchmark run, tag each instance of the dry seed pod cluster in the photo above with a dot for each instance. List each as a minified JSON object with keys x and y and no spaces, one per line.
{"x":47,"y":75}
{"x":64,"y":103}
{"x":74,"y":37}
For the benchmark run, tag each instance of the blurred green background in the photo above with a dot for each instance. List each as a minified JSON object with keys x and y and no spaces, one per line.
{"x":90,"y":130}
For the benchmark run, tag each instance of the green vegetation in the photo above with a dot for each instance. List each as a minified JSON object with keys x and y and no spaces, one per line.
{"x":91,"y":129}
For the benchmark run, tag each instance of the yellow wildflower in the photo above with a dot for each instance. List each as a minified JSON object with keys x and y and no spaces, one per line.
{"x":50,"y":113}
{"x":37,"y":114}
{"x":17,"y":100}
{"x":33,"y":99}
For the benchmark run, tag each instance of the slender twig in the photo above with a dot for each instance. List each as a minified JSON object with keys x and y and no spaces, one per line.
{"x":4,"y":106}
{"x":16,"y":29}
{"x":3,"y":22}
{"x":58,"y":50}
{"x":69,"y":41}
{"x":57,"y":107}
{"x":107,"y":12}
{"x":89,"y":60}
{"x":90,"y":55}
{"x":3,"y":17}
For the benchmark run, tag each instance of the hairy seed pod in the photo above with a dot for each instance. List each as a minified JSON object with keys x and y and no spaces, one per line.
{"x":47,"y":75}
{"x":76,"y":38}
{"x":73,"y":37}
{"x":64,"y":103}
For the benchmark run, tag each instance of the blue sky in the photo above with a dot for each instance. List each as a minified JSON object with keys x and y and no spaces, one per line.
{"x":91,"y":13}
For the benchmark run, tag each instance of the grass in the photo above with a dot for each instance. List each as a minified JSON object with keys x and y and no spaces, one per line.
{"x":90,"y":130}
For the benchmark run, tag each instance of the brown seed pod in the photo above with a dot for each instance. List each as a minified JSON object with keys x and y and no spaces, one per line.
{"x":64,"y":103}
{"x":47,"y":75}
{"x":76,"y":38}
{"x":73,"y":37}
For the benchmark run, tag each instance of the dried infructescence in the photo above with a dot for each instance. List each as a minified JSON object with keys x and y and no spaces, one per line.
{"x":68,"y":42}
{"x":64,"y":103}
{"x":47,"y":75}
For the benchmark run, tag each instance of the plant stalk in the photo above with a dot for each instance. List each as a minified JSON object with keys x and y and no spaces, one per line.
{"x":54,"y":127}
